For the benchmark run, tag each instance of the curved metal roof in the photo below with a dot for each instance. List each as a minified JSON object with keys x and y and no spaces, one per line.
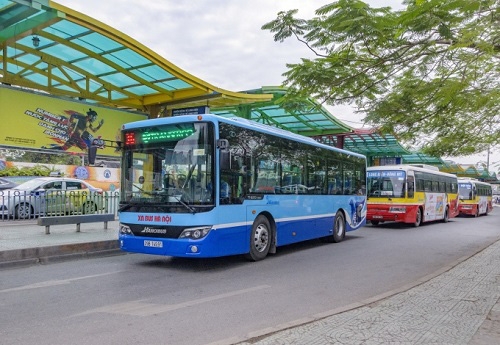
{"x":422,"y":158}
{"x":369,"y":142}
{"x":312,"y":120}
{"x":49,"y":47}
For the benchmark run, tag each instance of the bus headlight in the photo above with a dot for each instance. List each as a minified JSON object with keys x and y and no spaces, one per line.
{"x":125,"y":229}
{"x":397,"y":209}
{"x":195,"y":233}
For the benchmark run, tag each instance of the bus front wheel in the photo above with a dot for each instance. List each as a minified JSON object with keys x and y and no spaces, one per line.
{"x":260,"y":239}
{"x":418,"y":218}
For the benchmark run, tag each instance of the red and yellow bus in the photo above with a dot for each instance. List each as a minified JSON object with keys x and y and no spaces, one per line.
{"x":476,"y":197}
{"x":410,"y":194}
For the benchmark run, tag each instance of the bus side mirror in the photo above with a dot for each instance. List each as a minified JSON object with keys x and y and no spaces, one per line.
{"x":224,"y":154}
{"x":225,"y":160}
{"x":223,"y":144}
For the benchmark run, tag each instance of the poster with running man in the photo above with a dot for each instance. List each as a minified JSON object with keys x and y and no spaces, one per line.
{"x":34,"y":121}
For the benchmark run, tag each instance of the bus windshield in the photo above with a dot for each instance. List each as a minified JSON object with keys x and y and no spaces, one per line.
{"x":168,"y":168}
{"x":386,"y":184}
{"x":465,"y":191}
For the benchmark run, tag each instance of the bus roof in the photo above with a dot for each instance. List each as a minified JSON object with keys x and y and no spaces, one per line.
{"x":237,"y":121}
{"x":472,"y":180}
{"x":407,"y":167}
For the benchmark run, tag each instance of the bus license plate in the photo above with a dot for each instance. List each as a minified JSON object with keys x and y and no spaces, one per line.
{"x":155,"y":244}
{"x":378,"y":217}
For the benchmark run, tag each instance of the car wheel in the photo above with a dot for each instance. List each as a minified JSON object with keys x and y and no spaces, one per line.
{"x":260,"y":239}
{"x":24,"y":211}
{"x":89,"y":208}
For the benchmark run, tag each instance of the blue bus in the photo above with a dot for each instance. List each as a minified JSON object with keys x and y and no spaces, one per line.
{"x":207,"y":186}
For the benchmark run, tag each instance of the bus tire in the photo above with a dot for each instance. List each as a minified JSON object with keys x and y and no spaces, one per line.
{"x":338,"y":229}
{"x":446,"y":215}
{"x":260,"y":239}
{"x":374,"y":222}
{"x":477,"y":212}
{"x":418,"y":218}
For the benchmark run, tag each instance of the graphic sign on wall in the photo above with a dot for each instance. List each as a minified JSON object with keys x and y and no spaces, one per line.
{"x":42,"y":122}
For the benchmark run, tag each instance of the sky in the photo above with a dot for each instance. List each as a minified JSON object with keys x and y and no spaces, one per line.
{"x":221,"y":41}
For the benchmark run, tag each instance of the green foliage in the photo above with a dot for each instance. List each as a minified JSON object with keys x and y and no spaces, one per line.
{"x":428,"y":74}
{"x":38,"y":170}
{"x":40,"y":157}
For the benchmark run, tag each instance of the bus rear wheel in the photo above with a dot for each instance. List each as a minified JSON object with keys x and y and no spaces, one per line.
{"x":418,"y":218}
{"x":446,"y":217}
{"x":338,"y":229}
{"x":260,"y":239}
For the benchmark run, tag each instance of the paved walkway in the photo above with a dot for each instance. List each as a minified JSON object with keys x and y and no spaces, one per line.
{"x":25,"y":242}
{"x":459,"y":306}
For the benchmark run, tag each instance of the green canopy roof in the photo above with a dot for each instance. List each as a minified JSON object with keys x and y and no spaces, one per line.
{"x":49,"y":47}
{"x":369,"y":142}
{"x":311,"y":120}
{"x":422,"y":158}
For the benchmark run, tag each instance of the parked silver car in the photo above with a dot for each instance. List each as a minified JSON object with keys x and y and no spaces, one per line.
{"x":50,"y":196}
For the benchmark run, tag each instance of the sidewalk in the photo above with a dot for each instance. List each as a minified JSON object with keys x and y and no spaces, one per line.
{"x":25,"y":242}
{"x":459,"y":305}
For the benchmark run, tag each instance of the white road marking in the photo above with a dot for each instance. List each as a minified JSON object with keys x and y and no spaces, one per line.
{"x":140,"y":308}
{"x":50,"y":283}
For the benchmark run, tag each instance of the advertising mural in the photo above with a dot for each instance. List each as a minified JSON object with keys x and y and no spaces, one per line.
{"x":42,"y":122}
{"x":108,"y":179}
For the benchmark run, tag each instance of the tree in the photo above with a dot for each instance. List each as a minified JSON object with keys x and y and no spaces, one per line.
{"x":428,"y":74}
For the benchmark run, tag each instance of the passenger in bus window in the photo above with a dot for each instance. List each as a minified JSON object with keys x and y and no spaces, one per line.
{"x":225,"y":191}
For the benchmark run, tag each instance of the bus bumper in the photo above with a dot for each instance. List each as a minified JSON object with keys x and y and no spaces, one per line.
{"x":216,"y":243}
{"x":467,"y":210}
{"x":392,"y":213}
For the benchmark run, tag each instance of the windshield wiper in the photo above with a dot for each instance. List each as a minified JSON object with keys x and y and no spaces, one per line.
{"x":193,"y":211}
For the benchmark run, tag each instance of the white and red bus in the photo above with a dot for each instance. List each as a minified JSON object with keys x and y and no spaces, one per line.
{"x":410,"y":194}
{"x":476,"y":197}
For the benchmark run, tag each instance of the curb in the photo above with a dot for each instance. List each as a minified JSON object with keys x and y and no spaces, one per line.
{"x":44,"y":255}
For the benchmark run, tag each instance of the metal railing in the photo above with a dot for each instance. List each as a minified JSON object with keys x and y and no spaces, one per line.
{"x":20,"y":205}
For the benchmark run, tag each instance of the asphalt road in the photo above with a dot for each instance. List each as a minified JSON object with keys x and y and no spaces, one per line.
{"x":139,"y":299}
